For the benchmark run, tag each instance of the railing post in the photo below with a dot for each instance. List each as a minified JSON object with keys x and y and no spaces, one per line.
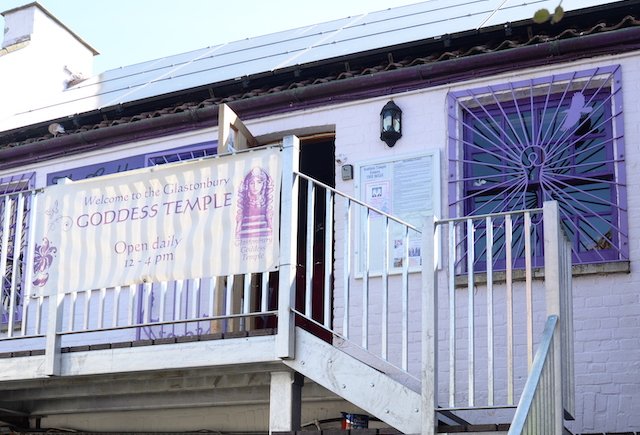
{"x":288,"y":247}
{"x":566,"y":329}
{"x":559,"y":297}
{"x":552,"y":255}
{"x":429,"y":327}
{"x":53,"y":339}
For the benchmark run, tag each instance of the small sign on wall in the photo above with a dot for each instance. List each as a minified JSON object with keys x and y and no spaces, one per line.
{"x":405,"y":187}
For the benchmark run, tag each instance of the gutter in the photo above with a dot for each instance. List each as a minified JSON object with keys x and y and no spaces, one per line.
{"x":351,"y":89}
{"x":105,"y":137}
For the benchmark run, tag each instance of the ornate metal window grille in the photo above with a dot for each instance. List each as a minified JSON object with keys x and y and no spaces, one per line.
{"x":515,"y":145}
{"x":13,"y":258}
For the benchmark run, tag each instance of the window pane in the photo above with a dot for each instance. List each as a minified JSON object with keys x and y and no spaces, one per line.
{"x":595,"y":233}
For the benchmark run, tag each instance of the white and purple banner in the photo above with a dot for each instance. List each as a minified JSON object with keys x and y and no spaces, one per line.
{"x":213,"y":217}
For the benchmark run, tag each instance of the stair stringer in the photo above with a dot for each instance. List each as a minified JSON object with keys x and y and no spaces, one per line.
{"x":356,"y":382}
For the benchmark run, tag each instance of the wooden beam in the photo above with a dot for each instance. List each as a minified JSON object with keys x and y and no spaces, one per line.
{"x":363,"y":386}
{"x":250,"y":350}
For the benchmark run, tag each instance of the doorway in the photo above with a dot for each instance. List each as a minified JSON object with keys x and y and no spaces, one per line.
{"x":317,"y":160}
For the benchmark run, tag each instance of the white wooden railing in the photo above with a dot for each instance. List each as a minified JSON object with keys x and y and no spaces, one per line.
{"x":486,"y":312}
{"x":485,"y":303}
{"x":337,"y":282}
{"x":366,"y":290}
{"x":14,"y":230}
{"x":348,"y":273}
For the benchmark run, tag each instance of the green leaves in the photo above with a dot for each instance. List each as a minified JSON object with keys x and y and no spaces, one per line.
{"x":543,"y":15}
{"x":557,"y":14}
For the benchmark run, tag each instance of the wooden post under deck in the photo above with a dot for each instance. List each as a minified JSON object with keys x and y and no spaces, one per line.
{"x":285,"y":401}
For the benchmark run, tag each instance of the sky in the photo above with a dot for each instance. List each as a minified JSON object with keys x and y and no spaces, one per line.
{"x":126,"y":32}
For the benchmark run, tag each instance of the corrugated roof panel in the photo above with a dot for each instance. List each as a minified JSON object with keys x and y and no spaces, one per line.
{"x":188,"y":78}
{"x":280,"y":42}
{"x":406,"y":24}
{"x":132,"y":70}
{"x":430,"y":19}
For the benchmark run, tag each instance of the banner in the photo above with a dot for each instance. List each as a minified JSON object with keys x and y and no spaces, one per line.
{"x":213,"y":217}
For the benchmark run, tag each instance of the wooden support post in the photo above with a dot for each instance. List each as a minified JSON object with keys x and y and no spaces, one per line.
{"x":559,"y":297}
{"x":53,"y":339}
{"x":54,"y":324}
{"x":429,"y":328}
{"x":552,"y":266}
{"x":288,"y":247}
{"x":285,"y":401}
{"x":553,"y":238}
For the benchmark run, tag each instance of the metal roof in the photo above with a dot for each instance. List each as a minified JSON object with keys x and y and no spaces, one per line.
{"x":285,"y":50}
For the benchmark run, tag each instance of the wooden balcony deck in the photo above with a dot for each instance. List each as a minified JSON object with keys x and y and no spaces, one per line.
{"x":362,"y":329}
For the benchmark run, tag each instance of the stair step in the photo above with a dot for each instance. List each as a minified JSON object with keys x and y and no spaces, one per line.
{"x":475,"y":428}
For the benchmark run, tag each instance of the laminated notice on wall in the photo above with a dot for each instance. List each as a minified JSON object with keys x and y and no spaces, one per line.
{"x":407,"y":188}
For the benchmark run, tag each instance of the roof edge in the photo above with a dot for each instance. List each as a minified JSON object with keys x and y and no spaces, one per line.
{"x":325,"y":94}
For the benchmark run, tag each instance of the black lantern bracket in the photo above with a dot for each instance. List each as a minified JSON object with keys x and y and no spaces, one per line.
{"x":390,"y":123}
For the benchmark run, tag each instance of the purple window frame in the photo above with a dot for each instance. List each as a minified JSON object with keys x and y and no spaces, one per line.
{"x":189,"y":152}
{"x":134,"y":162}
{"x":602,"y":89}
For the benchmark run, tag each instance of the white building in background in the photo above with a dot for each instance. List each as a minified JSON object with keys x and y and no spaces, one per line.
{"x":184,"y":307}
{"x":40,"y":59}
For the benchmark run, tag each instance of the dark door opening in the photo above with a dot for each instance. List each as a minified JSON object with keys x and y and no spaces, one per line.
{"x":317,"y":160}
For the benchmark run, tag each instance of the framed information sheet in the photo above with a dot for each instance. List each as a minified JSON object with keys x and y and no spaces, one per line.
{"x":406,"y":187}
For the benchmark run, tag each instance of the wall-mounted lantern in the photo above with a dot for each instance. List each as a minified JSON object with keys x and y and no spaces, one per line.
{"x":390,"y":123}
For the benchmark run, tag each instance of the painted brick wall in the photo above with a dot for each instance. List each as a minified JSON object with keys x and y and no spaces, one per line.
{"x":606,"y":308}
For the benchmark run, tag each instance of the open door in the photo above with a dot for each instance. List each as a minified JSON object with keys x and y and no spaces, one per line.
{"x":317,"y":160}
{"x":233,"y":135}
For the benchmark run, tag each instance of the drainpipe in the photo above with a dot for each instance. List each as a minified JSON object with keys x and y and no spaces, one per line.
{"x":356,"y":88}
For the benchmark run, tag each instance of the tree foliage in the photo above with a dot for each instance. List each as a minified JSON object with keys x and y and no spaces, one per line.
{"x":543,"y":15}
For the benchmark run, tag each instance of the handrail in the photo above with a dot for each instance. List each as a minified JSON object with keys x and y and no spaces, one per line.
{"x":443,"y":221}
{"x":540,"y":408}
{"x":357,"y":201}
{"x":373,"y":281}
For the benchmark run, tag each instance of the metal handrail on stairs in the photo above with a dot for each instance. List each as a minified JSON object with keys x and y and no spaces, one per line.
{"x":540,"y":407}
{"x":549,"y":393}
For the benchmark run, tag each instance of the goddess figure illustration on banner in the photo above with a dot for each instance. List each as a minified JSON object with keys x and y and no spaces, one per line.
{"x":255,"y":205}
